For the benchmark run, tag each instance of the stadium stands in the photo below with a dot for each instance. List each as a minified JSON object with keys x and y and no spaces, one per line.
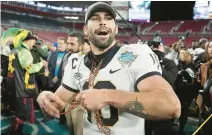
{"x":50,"y":36}
{"x":195,"y":26}
{"x":30,"y":21}
{"x":164,"y":26}
{"x":51,"y":26}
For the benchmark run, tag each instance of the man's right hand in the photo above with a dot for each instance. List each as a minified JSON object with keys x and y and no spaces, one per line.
{"x":50,"y":103}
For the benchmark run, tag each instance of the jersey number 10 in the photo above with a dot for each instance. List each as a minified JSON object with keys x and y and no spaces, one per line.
{"x":113,"y":111}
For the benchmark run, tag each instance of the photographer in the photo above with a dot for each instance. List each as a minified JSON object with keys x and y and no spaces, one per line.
{"x":169,"y":73}
{"x":169,"y":68}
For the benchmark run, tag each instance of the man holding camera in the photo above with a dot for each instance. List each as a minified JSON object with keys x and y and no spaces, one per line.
{"x":169,"y":73}
{"x":169,"y":68}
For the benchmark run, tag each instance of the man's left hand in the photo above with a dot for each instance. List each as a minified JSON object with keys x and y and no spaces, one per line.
{"x":93,"y":99}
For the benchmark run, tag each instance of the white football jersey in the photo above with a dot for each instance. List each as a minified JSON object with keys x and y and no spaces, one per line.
{"x":124,"y":70}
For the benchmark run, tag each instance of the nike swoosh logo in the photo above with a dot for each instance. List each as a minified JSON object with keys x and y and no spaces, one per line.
{"x":111,"y":72}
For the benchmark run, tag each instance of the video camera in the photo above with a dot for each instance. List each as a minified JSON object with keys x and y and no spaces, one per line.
{"x":155,"y":42}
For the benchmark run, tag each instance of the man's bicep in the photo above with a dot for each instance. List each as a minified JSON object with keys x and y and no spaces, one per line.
{"x":146,"y":65}
{"x":154,"y":82}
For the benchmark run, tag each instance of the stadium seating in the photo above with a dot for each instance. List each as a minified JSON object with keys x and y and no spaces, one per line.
{"x":71,"y":25}
{"x":195,"y":26}
{"x":50,"y":36}
{"x":30,"y":21}
{"x":169,"y":40}
{"x":164,"y":26}
{"x":124,"y":33}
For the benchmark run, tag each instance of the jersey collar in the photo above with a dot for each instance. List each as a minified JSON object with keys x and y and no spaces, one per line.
{"x":108,"y":56}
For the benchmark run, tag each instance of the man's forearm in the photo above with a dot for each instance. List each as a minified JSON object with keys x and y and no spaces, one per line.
{"x":35,"y":68}
{"x":154,"y":105}
{"x":65,"y":96}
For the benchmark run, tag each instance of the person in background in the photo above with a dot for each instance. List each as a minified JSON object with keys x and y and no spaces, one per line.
{"x":5,"y":102}
{"x":186,"y":85}
{"x":204,"y":100}
{"x":202,"y":57}
{"x":21,"y":80}
{"x":53,"y":48}
{"x":194,"y":45}
{"x":75,"y":41}
{"x":200,"y":48}
{"x":174,"y":54}
{"x":74,"y":120}
{"x":54,"y":63}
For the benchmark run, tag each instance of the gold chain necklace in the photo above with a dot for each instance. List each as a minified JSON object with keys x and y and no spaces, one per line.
{"x":94,"y":72}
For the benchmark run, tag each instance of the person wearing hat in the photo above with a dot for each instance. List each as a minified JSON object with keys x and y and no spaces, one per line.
{"x":119,"y":86}
{"x":200,"y":48}
{"x":202,"y":42}
{"x":53,"y":48}
{"x":21,"y":81}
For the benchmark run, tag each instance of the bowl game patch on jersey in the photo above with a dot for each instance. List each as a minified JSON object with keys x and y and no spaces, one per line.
{"x":126,"y":58}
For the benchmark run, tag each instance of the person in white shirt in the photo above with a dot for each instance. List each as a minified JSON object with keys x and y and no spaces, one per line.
{"x":119,"y":86}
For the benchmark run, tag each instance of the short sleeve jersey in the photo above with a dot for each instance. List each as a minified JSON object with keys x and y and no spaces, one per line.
{"x":128,"y":66}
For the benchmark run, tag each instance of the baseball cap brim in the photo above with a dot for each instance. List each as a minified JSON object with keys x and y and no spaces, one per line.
{"x":99,"y":6}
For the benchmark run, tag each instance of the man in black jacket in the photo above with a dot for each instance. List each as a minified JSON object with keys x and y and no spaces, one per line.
{"x":169,"y":68}
{"x":169,"y":73}
{"x":55,"y":63}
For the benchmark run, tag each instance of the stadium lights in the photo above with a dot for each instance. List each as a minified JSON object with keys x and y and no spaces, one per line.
{"x":71,"y":17}
{"x":74,"y":17}
{"x":67,"y":17}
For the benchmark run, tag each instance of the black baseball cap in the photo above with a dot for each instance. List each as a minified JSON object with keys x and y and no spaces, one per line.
{"x":99,"y":6}
{"x":30,"y":36}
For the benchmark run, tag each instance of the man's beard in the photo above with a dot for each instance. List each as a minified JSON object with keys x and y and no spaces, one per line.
{"x":99,"y":44}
